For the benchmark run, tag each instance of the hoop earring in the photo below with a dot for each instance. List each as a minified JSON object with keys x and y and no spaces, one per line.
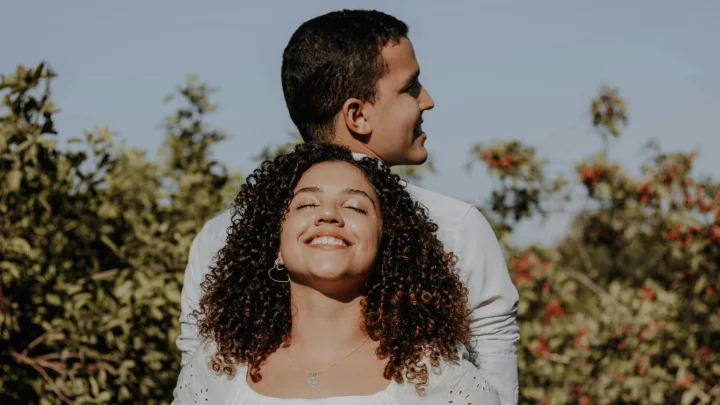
{"x":277,"y":267}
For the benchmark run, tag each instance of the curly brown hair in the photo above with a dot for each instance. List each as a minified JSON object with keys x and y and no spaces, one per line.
{"x":416,"y":305}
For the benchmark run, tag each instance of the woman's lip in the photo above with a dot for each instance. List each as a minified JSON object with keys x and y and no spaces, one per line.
{"x":327,"y":247}
{"x":332,"y":234}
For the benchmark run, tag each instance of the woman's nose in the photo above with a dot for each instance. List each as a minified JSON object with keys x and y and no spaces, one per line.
{"x":329,"y":214}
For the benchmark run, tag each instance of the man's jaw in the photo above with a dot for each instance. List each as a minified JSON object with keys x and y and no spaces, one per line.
{"x":356,"y":143}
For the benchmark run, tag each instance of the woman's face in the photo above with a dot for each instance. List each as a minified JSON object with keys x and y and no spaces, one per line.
{"x":333,"y":227}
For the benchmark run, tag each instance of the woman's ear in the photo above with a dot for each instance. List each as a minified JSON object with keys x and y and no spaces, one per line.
{"x":280,"y":261}
{"x":356,"y":115}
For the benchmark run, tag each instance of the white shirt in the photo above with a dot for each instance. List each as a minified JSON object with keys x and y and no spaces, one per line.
{"x":463,"y":230}
{"x":458,"y":383}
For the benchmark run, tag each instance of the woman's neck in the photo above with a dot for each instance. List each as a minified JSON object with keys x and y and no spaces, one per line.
{"x":324,"y":323}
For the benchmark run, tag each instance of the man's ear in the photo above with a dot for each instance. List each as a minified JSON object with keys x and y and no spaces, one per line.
{"x":356,"y":115}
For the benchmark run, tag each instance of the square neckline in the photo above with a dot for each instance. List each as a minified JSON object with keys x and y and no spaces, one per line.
{"x":387,"y":392}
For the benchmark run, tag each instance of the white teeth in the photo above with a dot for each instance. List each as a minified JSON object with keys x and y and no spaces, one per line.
{"x":327,"y":240}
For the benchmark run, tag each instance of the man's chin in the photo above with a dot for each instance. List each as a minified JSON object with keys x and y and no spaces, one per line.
{"x":418,"y":154}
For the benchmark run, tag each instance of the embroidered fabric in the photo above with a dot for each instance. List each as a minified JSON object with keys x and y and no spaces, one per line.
{"x":456,"y":383}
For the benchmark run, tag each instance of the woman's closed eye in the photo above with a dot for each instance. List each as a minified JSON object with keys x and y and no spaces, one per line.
{"x":313,"y":205}
{"x":357,"y":209}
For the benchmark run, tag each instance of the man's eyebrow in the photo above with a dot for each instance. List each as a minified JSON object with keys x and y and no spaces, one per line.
{"x":412,"y":79}
{"x":352,"y":191}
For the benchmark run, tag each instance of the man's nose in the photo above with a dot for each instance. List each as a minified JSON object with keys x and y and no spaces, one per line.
{"x":425,"y":100}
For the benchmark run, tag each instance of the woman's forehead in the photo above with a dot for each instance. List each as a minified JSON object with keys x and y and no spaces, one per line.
{"x":335,"y":177}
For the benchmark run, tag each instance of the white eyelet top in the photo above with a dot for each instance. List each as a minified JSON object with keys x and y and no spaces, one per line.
{"x":456,"y":383}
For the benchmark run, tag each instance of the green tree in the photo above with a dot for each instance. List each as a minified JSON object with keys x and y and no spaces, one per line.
{"x":624,"y":309}
{"x":95,"y":236}
{"x":92,"y":249}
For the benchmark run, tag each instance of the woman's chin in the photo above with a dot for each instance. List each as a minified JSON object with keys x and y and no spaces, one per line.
{"x":325,"y":279}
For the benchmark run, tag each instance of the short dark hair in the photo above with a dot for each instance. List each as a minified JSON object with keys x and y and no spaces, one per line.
{"x":331,"y":58}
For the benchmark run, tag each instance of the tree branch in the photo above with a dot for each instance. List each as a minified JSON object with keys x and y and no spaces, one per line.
{"x":604,"y":295}
{"x":23,"y":359}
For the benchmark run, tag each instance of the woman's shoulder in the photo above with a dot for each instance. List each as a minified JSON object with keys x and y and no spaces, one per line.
{"x":457,"y":382}
{"x":199,"y":383}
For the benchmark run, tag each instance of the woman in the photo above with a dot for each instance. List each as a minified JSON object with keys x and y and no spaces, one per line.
{"x":332,"y":288}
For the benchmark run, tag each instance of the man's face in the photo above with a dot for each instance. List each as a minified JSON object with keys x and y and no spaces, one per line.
{"x":396,"y":115}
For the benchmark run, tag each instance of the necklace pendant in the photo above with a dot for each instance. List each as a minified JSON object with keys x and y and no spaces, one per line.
{"x":312,"y":381}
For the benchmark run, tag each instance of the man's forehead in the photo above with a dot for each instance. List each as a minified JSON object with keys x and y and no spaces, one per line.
{"x":400,"y":58}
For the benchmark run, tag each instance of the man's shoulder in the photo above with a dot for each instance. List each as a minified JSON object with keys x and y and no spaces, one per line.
{"x":217,"y":226}
{"x":439,"y":205}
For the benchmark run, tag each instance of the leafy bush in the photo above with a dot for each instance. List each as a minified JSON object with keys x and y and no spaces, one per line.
{"x":625,"y":308}
{"x":93,"y":246}
{"x":95,"y":236}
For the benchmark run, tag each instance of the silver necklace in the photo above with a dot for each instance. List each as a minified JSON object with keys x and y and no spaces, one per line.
{"x":313,"y":380}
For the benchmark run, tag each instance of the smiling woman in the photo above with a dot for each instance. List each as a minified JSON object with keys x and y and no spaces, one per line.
{"x":333,"y":229}
{"x":332,"y":286}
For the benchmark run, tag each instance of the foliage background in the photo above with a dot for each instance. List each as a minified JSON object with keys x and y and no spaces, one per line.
{"x":94,"y":238}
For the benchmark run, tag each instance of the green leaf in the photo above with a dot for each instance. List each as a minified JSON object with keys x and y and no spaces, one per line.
{"x":53,"y":300}
{"x":13,"y":180}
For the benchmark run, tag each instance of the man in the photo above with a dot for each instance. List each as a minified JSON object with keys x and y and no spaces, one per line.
{"x":351,"y":77}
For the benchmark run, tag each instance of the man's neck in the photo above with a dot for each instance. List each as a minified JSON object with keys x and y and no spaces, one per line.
{"x":355,"y":146}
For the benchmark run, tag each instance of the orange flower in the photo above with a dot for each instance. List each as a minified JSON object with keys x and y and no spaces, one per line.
{"x":656,"y":324}
{"x":644,"y":191}
{"x":506,"y":161}
{"x":684,"y":238}
{"x":540,"y":347}
{"x":715,"y":232}
{"x":705,"y":352}
{"x":487,"y":155}
{"x":520,"y":265}
{"x":648,"y":293}
{"x":553,"y":309}
{"x":686,"y":381}
{"x":522,"y":278}
{"x":666,"y":178}
{"x":591,"y":175}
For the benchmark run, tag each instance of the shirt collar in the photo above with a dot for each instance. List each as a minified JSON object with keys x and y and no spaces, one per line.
{"x":359,"y":156}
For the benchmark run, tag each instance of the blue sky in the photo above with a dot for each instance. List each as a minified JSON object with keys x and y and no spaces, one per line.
{"x":496,"y":69}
